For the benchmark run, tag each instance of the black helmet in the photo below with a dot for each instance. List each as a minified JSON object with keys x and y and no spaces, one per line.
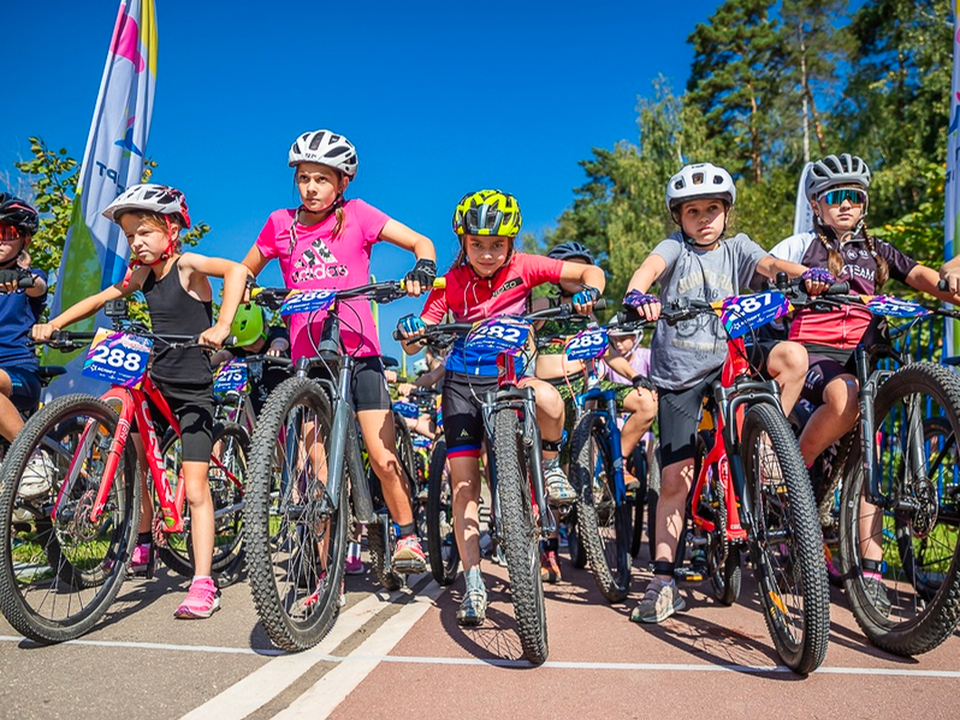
{"x":17,"y":213}
{"x":571,"y":250}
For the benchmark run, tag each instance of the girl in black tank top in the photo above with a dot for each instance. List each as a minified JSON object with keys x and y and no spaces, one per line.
{"x":178,"y":293}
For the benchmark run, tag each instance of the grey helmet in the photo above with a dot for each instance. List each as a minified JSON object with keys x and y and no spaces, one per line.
{"x":700,"y":181}
{"x":325,"y":147}
{"x":835,"y":171}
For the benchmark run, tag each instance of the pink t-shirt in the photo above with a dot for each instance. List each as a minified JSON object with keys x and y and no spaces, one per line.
{"x":317,"y":260}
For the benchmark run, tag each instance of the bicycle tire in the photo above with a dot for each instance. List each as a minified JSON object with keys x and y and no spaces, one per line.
{"x":441,"y":537}
{"x":785,"y":540}
{"x":603,"y":526}
{"x":379,"y":557}
{"x":521,"y":535}
{"x":723,"y":557}
{"x":56,"y":586}
{"x":296,"y":590}
{"x":231,"y":445}
{"x":913,"y":624}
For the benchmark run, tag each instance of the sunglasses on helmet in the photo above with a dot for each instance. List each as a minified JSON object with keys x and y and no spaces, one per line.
{"x":837,"y":197}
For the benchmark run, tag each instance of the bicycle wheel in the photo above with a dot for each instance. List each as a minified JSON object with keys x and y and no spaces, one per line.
{"x":604,"y":526}
{"x":785,"y":541}
{"x":441,"y":539}
{"x":913,"y":603}
{"x":296,"y":536}
{"x":641,"y":471}
{"x":227,"y":474}
{"x":60,"y":569}
{"x":381,"y":536}
{"x":521,"y":535}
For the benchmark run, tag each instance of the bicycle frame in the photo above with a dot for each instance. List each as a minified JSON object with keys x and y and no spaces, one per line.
{"x":604,"y":403}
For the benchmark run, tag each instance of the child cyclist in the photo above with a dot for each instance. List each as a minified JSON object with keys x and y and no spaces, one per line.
{"x":179,"y":298}
{"x":698,"y":262}
{"x":836,"y":188}
{"x":490,"y":278}
{"x":326,"y":243}
{"x":19,"y":310}
{"x":568,"y":377}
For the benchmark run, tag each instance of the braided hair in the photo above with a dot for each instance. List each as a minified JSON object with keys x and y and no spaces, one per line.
{"x":828,"y":238}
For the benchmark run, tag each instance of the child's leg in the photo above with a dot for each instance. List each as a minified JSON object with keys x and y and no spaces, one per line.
{"x":10,"y":420}
{"x":146,"y":497}
{"x":833,"y":419}
{"x":675,"y":483}
{"x":787,"y":363}
{"x":197,"y":483}
{"x":550,"y":415}
{"x":642,"y":406}
{"x":379,"y":436}
{"x":465,"y":479}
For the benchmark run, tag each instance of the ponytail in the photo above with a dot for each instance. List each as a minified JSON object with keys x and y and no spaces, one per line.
{"x":883,"y":269}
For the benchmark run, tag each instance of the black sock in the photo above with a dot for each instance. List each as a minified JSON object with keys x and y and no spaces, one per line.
{"x":144,"y":538}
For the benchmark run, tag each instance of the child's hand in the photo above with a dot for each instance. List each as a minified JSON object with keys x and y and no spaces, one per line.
{"x":405,"y":388}
{"x":952,"y":276}
{"x":9,"y":279}
{"x":584,"y":300}
{"x":646,"y":305}
{"x":410,"y":326}
{"x":214,"y":336}
{"x":817,"y":280}
{"x":43,"y":331}
{"x":420,"y":279}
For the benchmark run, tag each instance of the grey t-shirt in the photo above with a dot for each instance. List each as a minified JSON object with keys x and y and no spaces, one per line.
{"x":687,"y":352}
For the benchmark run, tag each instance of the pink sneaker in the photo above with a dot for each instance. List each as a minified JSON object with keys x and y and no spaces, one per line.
{"x":408,"y":558}
{"x":140,"y":559}
{"x":354,"y":566}
{"x":311,"y":599}
{"x":202,"y":601}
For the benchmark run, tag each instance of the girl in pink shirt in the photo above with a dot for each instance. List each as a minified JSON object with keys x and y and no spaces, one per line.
{"x":326,"y":243}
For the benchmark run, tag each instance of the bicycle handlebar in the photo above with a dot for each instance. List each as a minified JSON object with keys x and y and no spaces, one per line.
{"x":381,"y":292}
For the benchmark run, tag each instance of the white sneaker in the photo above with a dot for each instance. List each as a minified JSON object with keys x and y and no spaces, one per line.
{"x":37,"y":477}
{"x":559,"y":489}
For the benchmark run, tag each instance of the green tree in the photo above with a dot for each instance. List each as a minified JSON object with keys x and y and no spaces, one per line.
{"x":736,"y":74}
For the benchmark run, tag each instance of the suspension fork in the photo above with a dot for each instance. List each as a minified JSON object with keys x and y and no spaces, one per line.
{"x":343,"y":421}
{"x":868,"y":436}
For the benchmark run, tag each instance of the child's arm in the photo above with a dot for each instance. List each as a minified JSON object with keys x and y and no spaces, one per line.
{"x":234,"y":284}
{"x":255,"y":261}
{"x":220,"y":357}
{"x":573,"y":276}
{"x":89,"y":306}
{"x":925,"y":280}
{"x":420,"y":279}
{"x":618,"y":363}
{"x":646,"y":275}
{"x":769,"y":266}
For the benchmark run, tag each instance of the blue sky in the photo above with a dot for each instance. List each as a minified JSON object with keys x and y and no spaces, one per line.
{"x":440,"y":98}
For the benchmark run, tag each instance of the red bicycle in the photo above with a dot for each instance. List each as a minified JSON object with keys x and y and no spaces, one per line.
{"x":61,"y":570}
{"x":752,"y":492}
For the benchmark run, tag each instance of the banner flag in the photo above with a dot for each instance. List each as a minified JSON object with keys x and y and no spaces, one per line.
{"x":952,"y":187}
{"x":95,"y":254}
{"x":803,"y":215}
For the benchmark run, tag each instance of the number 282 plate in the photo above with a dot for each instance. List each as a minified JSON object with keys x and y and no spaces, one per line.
{"x":503,"y":334}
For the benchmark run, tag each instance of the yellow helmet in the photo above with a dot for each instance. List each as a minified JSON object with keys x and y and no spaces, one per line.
{"x":488,"y":212}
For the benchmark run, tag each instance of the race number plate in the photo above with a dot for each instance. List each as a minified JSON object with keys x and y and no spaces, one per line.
{"x":230,"y":377}
{"x":587,"y":344}
{"x":499,"y":335}
{"x":303,"y":301}
{"x":890,"y":306}
{"x":742,"y":313}
{"x":406,"y":409}
{"x":118,"y":358}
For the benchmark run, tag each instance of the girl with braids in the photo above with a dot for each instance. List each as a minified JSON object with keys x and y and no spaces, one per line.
{"x":837,"y":187}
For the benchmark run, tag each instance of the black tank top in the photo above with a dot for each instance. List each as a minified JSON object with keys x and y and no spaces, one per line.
{"x":173,"y":311}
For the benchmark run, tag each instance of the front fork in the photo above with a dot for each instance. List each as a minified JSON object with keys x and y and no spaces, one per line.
{"x":522,"y":401}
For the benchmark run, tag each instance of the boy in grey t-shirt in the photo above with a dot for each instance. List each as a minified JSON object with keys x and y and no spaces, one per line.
{"x":697,"y":263}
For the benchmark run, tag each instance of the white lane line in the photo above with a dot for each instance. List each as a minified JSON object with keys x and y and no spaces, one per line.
{"x":261,"y":686}
{"x":323,"y":698}
{"x":269,"y":652}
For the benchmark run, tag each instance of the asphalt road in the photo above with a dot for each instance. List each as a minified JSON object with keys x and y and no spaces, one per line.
{"x":403,"y":655}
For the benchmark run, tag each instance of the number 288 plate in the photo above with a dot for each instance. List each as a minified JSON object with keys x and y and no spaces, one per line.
{"x":118,"y":358}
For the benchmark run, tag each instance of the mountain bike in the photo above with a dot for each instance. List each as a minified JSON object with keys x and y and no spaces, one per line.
{"x":604,"y":514}
{"x":752,"y":492}
{"x":521,"y":513}
{"x":60,"y":575}
{"x":899,"y":510}
{"x":306,"y":456}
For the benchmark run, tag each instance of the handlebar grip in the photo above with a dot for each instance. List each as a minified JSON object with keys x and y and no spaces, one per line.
{"x":27,"y":281}
{"x":839,"y":288}
{"x":942,"y":285}
{"x":600,"y":304}
{"x":438,"y":283}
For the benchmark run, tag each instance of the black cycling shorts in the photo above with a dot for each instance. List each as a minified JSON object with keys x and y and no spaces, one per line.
{"x":462,"y":418}
{"x":679,"y":418}
{"x":25,"y":388}
{"x":193,"y":407}
{"x":822,"y":371}
{"x":368,"y":385}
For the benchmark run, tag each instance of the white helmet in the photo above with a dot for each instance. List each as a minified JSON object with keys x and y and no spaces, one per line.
{"x":325,"y":148}
{"x":835,"y":171}
{"x":420,"y":366}
{"x":151,"y":198}
{"x":700,"y":181}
